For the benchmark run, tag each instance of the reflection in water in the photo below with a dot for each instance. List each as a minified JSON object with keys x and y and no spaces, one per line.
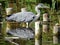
{"x":22,"y":33}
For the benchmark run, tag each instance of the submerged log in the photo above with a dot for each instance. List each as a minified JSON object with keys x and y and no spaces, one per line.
{"x":9,"y":39}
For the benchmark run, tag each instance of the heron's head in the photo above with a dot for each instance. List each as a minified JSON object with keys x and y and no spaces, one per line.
{"x":41,"y":5}
{"x":23,"y":9}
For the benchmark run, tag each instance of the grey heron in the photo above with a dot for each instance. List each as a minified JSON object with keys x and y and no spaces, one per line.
{"x":25,"y":16}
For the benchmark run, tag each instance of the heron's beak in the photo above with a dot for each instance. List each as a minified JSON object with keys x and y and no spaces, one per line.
{"x":41,"y":5}
{"x":45,"y":7}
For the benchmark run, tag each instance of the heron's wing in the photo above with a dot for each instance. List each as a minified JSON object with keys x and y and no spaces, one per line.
{"x":12,"y":17}
{"x":16,"y":17}
{"x":29,"y":16}
{"x":22,"y":17}
{"x":19,"y":17}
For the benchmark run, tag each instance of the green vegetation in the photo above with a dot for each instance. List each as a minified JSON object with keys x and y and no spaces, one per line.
{"x":30,"y":4}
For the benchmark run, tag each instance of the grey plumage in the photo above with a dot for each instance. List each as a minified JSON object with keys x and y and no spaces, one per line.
{"x":22,"y":17}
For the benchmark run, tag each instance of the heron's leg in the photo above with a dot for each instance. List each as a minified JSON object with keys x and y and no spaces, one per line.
{"x":27,"y":24}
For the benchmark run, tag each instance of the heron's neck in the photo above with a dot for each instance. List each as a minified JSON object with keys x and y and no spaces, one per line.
{"x":37,"y":10}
